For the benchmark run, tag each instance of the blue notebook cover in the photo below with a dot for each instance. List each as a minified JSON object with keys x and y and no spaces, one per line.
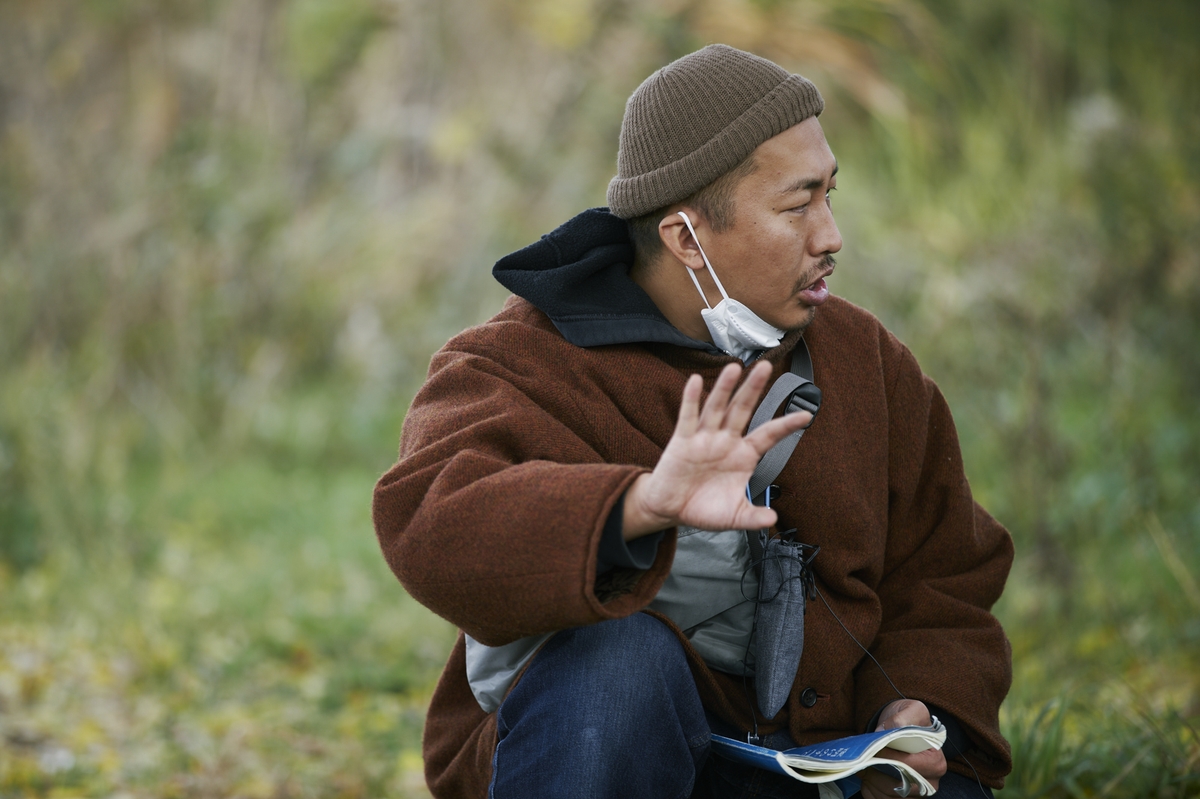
{"x":837,"y":761}
{"x":833,"y":755}
{"x":764,"y":758}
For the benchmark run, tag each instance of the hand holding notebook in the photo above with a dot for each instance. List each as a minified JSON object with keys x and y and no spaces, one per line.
{"x":838,"y":761}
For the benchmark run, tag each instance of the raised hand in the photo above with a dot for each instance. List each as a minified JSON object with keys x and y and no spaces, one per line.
{"x":700,"y":480}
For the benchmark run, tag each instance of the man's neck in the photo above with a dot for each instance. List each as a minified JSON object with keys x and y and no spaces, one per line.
{"x":667,"y":283}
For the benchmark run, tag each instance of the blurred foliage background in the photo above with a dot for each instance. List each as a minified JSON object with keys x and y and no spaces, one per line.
{"x":232,"y":233}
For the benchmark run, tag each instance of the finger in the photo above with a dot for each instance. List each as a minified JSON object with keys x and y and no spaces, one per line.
{"x":915,"y":712}
{"x":747,"y":396}
{"x":713,"y":414}
{"x":689,"y":408}
{"x":905,"y":712}
{"x":886,"y":785}
{"x":754,"y":517}
{"x":875,"y":783}
{"x":930,"y":763}
{"x":768,"y":435}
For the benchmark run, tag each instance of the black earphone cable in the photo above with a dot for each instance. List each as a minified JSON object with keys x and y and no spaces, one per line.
{"x":809,"y":580}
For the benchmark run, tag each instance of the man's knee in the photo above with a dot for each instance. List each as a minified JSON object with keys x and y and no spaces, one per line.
{"x":609,"y":668}
{"x":619,"y":690}
{"x":637,"y":644}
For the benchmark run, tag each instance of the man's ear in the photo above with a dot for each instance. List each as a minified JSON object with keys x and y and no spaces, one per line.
{"x":679,"y":241}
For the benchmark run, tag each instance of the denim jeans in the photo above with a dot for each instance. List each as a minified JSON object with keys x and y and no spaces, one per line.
{"x":610,"y":711}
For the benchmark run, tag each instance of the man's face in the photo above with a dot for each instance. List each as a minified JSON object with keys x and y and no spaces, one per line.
{"x":775,"y":257}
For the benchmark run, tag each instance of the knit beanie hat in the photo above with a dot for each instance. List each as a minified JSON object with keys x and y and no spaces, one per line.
{"x":699,"y":117}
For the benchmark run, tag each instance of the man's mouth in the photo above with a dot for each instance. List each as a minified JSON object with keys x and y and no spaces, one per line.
{"x":817,"y":292}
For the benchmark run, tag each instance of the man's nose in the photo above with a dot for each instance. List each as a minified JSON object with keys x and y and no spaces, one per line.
{"x":826,"y":238}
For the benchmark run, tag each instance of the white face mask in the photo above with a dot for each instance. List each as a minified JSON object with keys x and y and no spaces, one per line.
{"x":734,"y":328}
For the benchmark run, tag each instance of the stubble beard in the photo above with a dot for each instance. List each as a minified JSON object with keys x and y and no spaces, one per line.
{"x":808,"y":320}
{"x":827,"y":263}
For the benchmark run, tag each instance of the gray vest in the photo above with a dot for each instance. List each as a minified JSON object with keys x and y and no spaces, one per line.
{"x":704,"y":594}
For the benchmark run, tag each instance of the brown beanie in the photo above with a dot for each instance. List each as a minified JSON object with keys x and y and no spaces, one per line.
{"x":699,"y":117}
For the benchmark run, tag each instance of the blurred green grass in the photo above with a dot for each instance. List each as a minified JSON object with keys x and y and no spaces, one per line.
{"x":265,"y":651}
{"x":231,"y":234}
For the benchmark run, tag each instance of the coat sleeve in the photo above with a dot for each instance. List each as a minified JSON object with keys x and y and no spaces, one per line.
{"x":945,"y":565}
{"x":493,"y":515}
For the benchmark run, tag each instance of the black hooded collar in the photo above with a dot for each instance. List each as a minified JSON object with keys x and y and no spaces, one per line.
{"x":578,"y":275}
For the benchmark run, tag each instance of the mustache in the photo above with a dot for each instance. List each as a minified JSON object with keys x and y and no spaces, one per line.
{"x":824,"y":265}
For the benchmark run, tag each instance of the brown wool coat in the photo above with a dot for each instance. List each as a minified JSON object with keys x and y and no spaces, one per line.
{"x":519,"y":444}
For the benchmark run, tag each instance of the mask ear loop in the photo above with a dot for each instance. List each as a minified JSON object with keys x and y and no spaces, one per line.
{"x":707,"y":265}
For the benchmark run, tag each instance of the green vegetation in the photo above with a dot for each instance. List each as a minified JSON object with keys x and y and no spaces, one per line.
{"x":263,"y":652}
{"x":231,"y":234}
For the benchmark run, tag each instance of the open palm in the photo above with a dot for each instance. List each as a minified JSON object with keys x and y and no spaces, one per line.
{"x":700,"y":480}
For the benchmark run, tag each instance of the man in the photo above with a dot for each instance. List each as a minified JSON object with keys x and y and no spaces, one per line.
{"x":583,"y":456}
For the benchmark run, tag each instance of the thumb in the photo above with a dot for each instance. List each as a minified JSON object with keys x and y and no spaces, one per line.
{"x":754,"y":517}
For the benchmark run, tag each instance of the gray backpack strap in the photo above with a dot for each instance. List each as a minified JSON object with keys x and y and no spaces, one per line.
{"x":797,"y":390}
{"x":793,"y":391}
